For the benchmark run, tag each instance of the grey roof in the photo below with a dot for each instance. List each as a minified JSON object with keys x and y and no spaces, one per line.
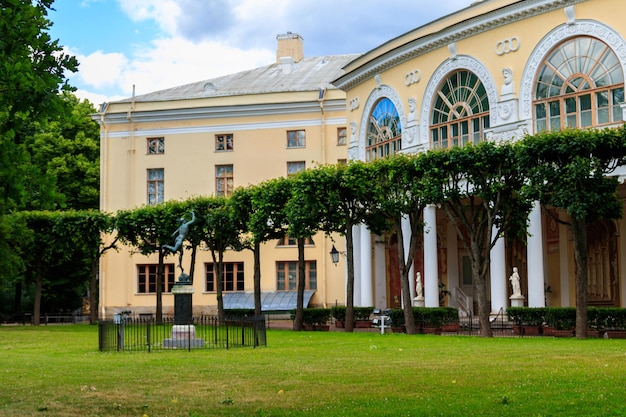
{"x":309,"y":74}
{"x":270,"y":301}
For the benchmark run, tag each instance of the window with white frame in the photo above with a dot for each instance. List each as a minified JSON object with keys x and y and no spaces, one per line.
{"x":155,"y":186}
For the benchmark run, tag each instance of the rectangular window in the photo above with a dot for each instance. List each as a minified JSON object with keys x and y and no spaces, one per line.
{"x":156,"y":186}
{"x":156,"y":146}
{"x":291,"y":241}
{"x":295,"y":167}
{"x":233,"y":277}
{"x":342,"y":161}
{"x":342,"y":134}
{"x":224,"y":180}
{"x":296,"y":139}
{"x":147,"y":278}
{"x":287,"y":274}
{"x":224,"y":142}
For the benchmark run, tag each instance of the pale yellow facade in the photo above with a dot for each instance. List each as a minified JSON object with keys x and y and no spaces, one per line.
{"x":502,"y":44}
{"x":486,"y":40}
{"x":256,"y":116}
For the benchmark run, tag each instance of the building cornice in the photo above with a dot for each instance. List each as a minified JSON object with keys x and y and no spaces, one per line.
{"x":127,"y":115}
{"x":506,"y":15}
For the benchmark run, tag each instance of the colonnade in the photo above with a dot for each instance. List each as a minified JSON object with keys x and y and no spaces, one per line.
{"x":371,"y":276}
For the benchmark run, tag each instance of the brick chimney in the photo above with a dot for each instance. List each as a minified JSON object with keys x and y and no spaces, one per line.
{"x":290,"y":45}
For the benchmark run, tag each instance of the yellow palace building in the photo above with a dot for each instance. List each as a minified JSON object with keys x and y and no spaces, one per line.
{"x":496,"y":70}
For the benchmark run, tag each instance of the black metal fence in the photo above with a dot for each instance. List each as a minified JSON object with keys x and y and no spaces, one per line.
{"x":144,"y":334}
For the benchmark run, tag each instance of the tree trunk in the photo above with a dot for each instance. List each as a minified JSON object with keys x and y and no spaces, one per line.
{"x":218,"y":272}
{"x":159,"y":288}
{"x":38,"y":290}
{"x":257,"y":279}
{"x":298,"y":322}
{"x":479,"y":272}
{"x":407,"y":304}
{"x":579,"y":236}
{"x":192,"y":267}
{"x":93,"y":291}
{"x":349,"y":322}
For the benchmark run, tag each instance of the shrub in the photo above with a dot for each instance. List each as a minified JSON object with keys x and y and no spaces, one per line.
{"x":451,"y":315}
{"x":397,"y":317}
{"x":363,"y":313}
{"x":316,"y":316}
{"x":616,"y":318}
{"x":338,"y":312}
{"x":561,"y":318}
{"x":530,"y":316}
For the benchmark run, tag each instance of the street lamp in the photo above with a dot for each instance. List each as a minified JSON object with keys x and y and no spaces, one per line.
{"x":334,"y":255}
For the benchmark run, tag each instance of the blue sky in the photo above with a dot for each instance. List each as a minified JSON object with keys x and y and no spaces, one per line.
{"x":156,"y":44}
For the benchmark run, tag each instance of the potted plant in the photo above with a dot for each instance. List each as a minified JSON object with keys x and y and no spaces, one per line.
{"x":316,"y":319}
{"x":450,"y":320}
{"x":616,"y":323}
{"x":339,"y":314}
{"x":362,"y":317}
{"x":432,"y":319}
{"x":397,"y":320}
{"x":526,"y":320}
{"x":562,"y":319}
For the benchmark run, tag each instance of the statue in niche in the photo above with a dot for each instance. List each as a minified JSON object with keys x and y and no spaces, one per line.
{"x":515,"y":282}
{"x":419,"y":288}
{"x":411,"y":121}
{"x":352,"y":132}
{"x":508,"y":88}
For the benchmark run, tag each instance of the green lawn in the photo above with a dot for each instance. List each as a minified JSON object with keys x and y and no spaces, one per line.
{"x":58,"y":371}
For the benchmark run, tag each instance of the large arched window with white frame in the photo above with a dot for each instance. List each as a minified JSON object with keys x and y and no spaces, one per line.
{"x":580,"y":84}
{"x":384,"y":130}
{"x":460,"y":112}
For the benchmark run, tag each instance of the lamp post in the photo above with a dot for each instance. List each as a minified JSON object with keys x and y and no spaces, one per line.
{"x":334,"y":255}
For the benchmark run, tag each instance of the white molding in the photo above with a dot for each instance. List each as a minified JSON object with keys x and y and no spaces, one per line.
{"x":379,"y":92}
{"x":230,"y":128}
{"x":557,"y":35}
{"x":515,"y":12}
{"x":123,"y":115}
{"x":461,"y":62}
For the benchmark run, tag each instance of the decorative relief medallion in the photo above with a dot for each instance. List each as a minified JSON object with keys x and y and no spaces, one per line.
{"x":506,"y":46}
{"x":354,"y":104}
{"x":412,"y":77}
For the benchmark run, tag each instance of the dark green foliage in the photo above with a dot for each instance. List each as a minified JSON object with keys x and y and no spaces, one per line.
{"x":561,"y":318}
{"x":533,"y":316}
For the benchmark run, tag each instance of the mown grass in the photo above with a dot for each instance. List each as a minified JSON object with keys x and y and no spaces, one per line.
{"x":57,"y":371}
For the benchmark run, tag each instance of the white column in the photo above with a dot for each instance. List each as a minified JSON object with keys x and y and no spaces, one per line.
{"x":534,"y":255}
{"x":431,"y":279}
{"x":367,"y":295}
{"x":498,"y":276}
{"x":358,"y":255}
{"x":406,"y":235}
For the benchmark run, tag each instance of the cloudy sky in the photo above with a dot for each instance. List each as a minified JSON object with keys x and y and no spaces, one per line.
{"x":156,"y":44}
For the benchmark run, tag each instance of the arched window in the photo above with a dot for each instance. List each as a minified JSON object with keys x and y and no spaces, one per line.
{"x":384,"y":131}
{"x":580,"y":84}
{"x":460,"y":112}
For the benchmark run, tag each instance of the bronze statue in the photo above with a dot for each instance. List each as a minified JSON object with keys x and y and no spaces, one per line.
{"x":181,"y":234}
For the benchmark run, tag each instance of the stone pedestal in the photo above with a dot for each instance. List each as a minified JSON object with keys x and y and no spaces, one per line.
{"x":517,"y":300}
{"x":419,"y":301}
{"x":183,"y":307}
{"x":183,"y":332}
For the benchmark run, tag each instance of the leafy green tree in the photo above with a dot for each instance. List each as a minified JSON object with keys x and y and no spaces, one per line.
{"x":478,"y":187}
{"x":401,"y":191}
{"x":260,"y":212}
{"x":32,"y":73}
{"x":569,"y":170}
{"x":146,"y":229}
{"x":221,"y":232}
{"x":331,"y":197}
{"x":67,"y":149}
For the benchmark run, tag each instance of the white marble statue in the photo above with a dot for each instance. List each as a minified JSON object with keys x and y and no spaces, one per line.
{"x":419,"y":289}
{"x":508,"y":87}
{"x":515,"y":283}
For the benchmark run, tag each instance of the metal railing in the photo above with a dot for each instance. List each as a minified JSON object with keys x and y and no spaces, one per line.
{"x":126,"y":333}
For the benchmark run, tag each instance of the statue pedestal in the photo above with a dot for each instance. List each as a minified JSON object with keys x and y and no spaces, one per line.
{"x":183,"y":332}
{"x":517,"y":300}
{"x":419,"y":301}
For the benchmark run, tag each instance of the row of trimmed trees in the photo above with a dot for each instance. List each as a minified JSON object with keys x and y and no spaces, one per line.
{"x":485,"y":190}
